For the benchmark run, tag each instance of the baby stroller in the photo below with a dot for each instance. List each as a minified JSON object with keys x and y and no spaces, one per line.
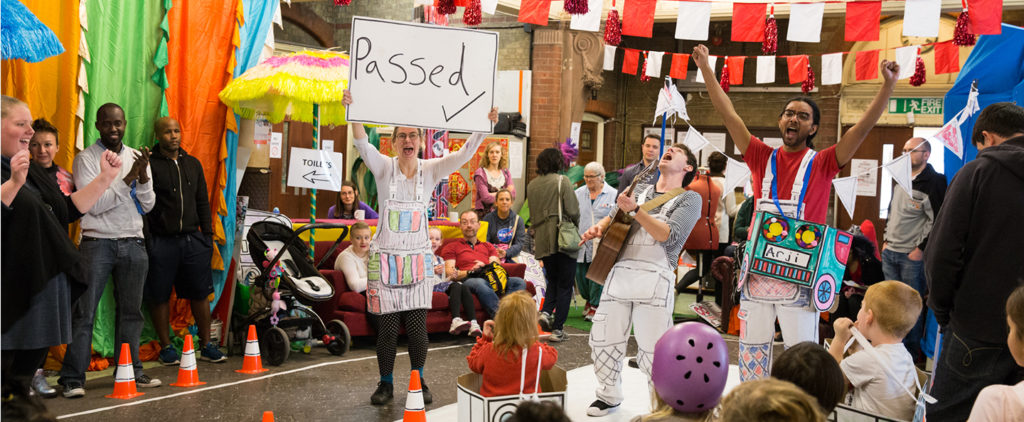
{"x":291,"y":274}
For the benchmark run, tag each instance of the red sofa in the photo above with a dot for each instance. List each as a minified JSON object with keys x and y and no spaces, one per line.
{"x":350,"y":307}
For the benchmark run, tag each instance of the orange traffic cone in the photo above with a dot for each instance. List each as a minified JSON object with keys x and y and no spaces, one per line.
{"x":124,"y":376}
{"x":414,"y":408}
{"x":268,"y":416}
{"x":188,"y":374}
{"x":252,"y":363}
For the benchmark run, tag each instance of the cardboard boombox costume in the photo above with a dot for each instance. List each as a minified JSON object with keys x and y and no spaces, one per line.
{"x":800,"y":252}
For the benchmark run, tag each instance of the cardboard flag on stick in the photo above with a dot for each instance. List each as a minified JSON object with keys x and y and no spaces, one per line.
{"x":748,"y":21}
{"x":693,"y":20}
{"x":695,"y":141}
{"x":921,"y":19}
{"x":680,"y":65}
{"x":831,"y":69}
{"x":846,"y":190}
{"x":867,"y":65}
{"x":609,"y":57}
{"x":765,"y":69}
{"x":712,"y":60}
{"x":862,"y":20}
{"x":972,"y":104}
{"x":653,"y":68}
{"x":735,"y":174}
{"x":805,"y":22}
{"x":670,"y":102}
{"x":951,"y":137}
{"x":906,"y":57}
{"x":899,"y":168}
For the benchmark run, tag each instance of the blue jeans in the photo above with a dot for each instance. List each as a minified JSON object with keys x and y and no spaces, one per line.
{"x":485,"y":293}
{"x":897,"y":266}
{"x":965,"y":367}
{"x":126,"y":260}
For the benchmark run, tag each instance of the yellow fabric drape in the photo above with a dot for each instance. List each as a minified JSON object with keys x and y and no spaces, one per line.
{"x":50,"y":87}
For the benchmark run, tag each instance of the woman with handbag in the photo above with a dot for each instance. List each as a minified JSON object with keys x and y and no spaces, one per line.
{"x":505,"y":230}
{"x":553,"y":206}
{"x":396,"y":297}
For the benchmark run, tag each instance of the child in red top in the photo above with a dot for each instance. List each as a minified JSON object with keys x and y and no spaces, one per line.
{"x":499,"y":361}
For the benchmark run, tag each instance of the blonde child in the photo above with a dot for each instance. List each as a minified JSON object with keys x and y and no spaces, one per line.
{"x":1006,"y":402}
{"x":889,"y":311}
{"x":498,"y":354}
{"x":459,"y":296}
{"x":352,"y":260}
{"x":769,"y":400}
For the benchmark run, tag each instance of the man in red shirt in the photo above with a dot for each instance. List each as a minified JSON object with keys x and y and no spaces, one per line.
{"x":795,"y":180}
{"x":463,"y":256}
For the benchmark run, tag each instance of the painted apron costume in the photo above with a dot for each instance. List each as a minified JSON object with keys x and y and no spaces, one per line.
{"x":639,"y":293}
{"x":763,"y":299}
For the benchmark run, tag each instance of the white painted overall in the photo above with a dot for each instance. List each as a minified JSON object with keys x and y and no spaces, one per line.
{"x":762,"y":299}
{"x":399,"y":271}
{"x":640,"y":294}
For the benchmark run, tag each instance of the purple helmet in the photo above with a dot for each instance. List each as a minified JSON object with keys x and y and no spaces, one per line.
{"x":690,"y":368}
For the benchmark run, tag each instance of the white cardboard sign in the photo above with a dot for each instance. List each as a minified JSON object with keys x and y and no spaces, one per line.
{"x":315,"y":169}
{"x":421,"y":75}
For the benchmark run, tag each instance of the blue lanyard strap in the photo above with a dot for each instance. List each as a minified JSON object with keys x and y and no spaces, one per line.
{"x":803,"y":189}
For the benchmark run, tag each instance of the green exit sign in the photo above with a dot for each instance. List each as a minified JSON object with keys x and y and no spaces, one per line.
{"x":916,"y":105}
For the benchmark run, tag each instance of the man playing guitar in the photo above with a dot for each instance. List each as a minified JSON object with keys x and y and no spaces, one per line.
{"x":639,"y":287}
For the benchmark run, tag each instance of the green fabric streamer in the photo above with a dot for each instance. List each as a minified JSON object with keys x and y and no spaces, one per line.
{"x":160,"y":59}
{"x":123,"y":39}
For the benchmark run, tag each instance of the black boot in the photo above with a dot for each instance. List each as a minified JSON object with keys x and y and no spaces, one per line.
{"x":384,"y":394}
{"x":427,"y":397}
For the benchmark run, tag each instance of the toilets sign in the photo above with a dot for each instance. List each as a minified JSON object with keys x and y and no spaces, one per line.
{"x":421,"y":75}
{"x":315,"y":169}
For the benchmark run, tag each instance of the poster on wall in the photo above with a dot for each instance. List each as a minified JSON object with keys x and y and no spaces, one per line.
{"x":670,"y":133}
{"x":421,"y":75}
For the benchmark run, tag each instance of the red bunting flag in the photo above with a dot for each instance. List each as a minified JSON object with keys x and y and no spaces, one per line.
{"x":986,"y":16}
{"x":748,"y":21}
{"x":947,"y":58}
{"x":638,"y":18}
{"x":630,"y":61}
{"x":797,"y":68}
{"x":867,"y":65}
{"x":862,"y":20}
{"x":534,"y":11}
{"x":680,"y":65}
{"x":735,"y":64}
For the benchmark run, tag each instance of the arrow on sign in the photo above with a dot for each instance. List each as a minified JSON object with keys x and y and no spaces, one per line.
{"x":311,"y":177}
{"x":448,"y":118}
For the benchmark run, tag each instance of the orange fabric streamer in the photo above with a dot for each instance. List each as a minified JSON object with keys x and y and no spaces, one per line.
{"x":50,"y":87}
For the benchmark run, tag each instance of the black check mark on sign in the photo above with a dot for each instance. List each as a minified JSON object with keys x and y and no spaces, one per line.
{"x":448,"y":118}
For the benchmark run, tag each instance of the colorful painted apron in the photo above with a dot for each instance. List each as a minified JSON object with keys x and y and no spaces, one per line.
{"x":400,"y":265}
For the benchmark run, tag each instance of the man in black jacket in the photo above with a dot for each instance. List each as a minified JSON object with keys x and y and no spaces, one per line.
{"x":181,"y":244}
{"x":973,"y":263}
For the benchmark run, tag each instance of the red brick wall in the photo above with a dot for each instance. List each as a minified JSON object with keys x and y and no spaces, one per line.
{"x":545,"y":102}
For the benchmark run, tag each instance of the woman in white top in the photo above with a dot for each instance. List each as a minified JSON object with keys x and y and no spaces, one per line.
{"x":352,"y":261}
{"x":400,"y":279}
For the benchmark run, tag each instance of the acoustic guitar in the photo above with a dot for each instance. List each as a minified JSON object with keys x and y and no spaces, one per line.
{"x":614,"y":236}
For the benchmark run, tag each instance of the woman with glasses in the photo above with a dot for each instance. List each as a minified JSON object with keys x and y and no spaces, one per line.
{"x":597,"y":201}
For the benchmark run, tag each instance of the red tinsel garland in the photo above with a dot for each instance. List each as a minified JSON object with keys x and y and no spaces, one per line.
{"x":725,"y":77}
{"x":613,"y":29}
{"x":771,"y":34}
{"x":808,"y":84}
{"x":342,"y":2}
{"x":446,"y":7}
{"x":918,"y":78}
{"x":577,"y":7}
{"x":962,"y":35}
{"x":643,"y":70}
{"x":472,"y":16}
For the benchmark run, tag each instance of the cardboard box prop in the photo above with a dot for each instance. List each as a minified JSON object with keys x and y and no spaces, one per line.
{"x":796,"y":251}
{"x":476,"y":408}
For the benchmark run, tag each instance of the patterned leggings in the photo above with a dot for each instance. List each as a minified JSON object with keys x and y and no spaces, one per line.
{"x":388,"y":325}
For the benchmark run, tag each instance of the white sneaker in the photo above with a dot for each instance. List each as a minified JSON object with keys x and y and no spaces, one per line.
{"x":474,"y":329}
{"x":458,"y":326}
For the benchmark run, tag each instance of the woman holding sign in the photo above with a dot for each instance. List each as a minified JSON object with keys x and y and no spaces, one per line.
{"x":400,"y":282}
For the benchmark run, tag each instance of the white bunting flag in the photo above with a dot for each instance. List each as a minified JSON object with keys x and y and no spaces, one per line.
{"x":609,"y":57}
{"x":805,"y":22}
{"x":695,"y":141}
{"x":591,"y":21}
{"x":765,"y":69}
{"x":736,"y":173}
{"x":846,"y":190}
{"x":899,"y":168}
{"x":654,"y":63}
{"x":971,"y":107}
{"x":693,"y":20}
{"x":832,"y":69}
{"x":712,"y":60}
{"x":951,"y":137}
{"x":921,"y":18}
{"x":486,"y":6}
{"x":906,"y":57}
